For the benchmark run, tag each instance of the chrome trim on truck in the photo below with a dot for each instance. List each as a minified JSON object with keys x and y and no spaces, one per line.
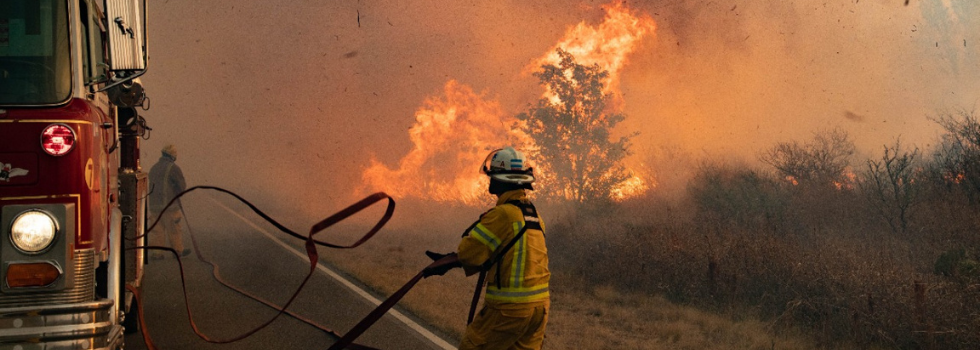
{"x":82,"y":290}
{"x":72,"y":326}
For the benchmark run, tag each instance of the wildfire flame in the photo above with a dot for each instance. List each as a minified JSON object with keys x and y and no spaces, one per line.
{"x":452,"y":135}
{"x":454,"y":132}
{"x":848,"y":179}
{"x":956,"y":179}
{"x":607,"y":45}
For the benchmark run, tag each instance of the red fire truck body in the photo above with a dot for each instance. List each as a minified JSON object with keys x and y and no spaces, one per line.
{"x":71,"y":186}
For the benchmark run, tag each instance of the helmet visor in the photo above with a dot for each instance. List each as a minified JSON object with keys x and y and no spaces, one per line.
{"x":485,"y":166}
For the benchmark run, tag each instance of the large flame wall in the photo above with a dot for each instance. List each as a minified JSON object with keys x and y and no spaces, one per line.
{"x":452,"y":133}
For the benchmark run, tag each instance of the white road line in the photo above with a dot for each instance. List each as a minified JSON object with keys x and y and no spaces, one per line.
{"x":364,"y":294}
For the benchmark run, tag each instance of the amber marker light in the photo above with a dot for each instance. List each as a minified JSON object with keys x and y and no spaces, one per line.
{"x":31,"y":275}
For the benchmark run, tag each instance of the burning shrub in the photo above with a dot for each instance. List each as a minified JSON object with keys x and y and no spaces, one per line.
{"x":890,"y":186}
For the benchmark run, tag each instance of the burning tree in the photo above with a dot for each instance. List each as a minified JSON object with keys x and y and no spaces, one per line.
{"x":572,"y":122}
{"x":571,"y":128}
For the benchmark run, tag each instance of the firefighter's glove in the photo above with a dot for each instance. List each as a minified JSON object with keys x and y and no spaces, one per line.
{"x":441,"y":263}
{"x":436,"y":256}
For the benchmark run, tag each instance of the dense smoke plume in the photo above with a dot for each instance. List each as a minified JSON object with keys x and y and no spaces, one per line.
{"x":288,"y":103}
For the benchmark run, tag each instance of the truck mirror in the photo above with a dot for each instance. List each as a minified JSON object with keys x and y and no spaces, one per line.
{"x":126,"y":40}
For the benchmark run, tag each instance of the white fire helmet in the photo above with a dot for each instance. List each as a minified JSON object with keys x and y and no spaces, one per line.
{"x":508,"y":165}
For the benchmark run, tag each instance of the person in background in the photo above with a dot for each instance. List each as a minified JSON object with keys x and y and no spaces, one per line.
{"x":166,"y":181}
{"x":507,"y":243}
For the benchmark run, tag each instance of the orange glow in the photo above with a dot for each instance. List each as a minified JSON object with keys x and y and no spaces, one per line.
{"x":31,"y":275}
{"x":847,"y":180}
{"x":608,"y":45}
{"x":792,"y":179}
{"x":451,"y":136}
{"x":956,"y":179}
{"x":632,"y":187}
{"x":454,"y":132}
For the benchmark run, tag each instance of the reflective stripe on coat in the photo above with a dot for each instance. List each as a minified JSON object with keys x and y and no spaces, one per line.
{"x":524,"y":273}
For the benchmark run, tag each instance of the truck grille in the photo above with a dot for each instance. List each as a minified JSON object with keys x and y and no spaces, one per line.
{"x":82,"y":291}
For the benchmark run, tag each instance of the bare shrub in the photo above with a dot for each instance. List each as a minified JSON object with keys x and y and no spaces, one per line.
{"x":957,"y":159}
{"x":820,"y":162}
{"x":727,"y":195}
{"x":816,"y":255}
{"x":758,"y":247}
{"x":890,"y":185}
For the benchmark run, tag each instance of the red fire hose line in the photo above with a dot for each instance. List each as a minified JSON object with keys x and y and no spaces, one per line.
{"x":139,"y":308}
{"x":215,"y":272}
{"x":345,"y":341}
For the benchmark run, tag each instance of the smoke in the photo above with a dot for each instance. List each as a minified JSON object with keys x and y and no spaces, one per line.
{"x":288,"y":103}
{"x":735,"y":77}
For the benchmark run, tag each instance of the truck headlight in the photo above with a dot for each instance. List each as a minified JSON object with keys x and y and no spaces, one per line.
{"x":33,"y":231}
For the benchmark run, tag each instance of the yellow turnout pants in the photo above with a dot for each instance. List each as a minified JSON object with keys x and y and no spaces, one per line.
{"x":169,"y":230}
{"x":507,"y":326}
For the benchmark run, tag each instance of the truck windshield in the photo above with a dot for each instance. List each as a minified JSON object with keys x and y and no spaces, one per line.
{"x":34,"y":52}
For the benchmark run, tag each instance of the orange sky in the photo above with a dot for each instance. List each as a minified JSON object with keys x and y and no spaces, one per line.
{"x":288,"y":103}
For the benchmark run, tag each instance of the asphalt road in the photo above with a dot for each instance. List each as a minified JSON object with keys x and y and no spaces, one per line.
{"x":270,"y":266}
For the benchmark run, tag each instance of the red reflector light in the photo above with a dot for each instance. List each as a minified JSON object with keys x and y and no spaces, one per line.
{"x":57,"y":139}
{"x":31,"y":275}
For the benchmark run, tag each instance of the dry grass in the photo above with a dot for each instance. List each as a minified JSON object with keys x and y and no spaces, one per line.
{"x":606,"y":318}
{"x":774,"y":269}
{"x":584,"y":316}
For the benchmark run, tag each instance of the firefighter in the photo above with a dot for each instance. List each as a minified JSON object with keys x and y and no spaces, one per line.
{"x":515,"y":308}
{"x":166,"y":181}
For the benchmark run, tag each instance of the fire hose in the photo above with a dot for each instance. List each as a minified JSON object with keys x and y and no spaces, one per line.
{"x":344,"y":341}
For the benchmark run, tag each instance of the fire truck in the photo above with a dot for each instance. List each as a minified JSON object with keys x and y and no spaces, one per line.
{"x":72,"y":192}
